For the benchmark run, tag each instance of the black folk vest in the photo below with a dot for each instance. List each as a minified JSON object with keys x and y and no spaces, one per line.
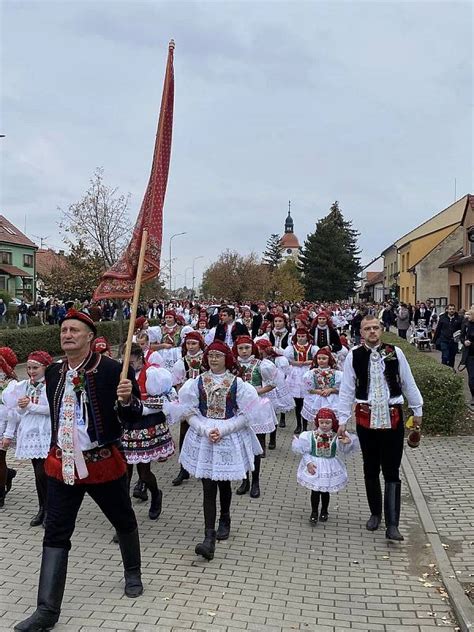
{"x":360,"y":363}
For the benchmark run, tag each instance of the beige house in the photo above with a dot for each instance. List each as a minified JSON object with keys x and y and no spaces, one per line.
{"x":390,"y":271}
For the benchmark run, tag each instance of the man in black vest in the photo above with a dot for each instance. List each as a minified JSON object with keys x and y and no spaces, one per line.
{"x":227,"y":330}
{"x":376,"y":377}
{"x":87,"y":400}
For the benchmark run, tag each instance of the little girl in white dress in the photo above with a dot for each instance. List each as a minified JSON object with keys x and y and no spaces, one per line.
{"x":320,"y":469}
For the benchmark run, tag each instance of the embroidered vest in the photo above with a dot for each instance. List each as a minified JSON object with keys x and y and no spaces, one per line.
{"x":141,"y":380}
{"x":322,"y":338}
{"x":360,"y":362}
{"x":171,"y":336}
{"x":324,"y":378}
{"x":302,"y":354}
{"x":193,"y":366}
{"x":217,"y":400}
{"x":251,"y":372}
{"x":323,"y":445}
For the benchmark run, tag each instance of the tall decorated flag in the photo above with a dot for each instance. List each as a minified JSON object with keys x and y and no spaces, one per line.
{"x":119,"y":280}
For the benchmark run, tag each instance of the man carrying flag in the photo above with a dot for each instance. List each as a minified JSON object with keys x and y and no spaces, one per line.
{"x":90,"y":396}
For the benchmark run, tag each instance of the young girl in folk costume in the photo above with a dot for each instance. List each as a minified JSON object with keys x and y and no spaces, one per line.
{"x":170,"y":344}
{"x":33,"y":437}
{"x":8,"y":417}
{"x":247,"y":318}
{"x":189,"y":367}
{"x":149,"y":439}
{"x":263,"y":330}
{"x":279,"y":397}
{"x":102,"y":345}
{"x":324,"y":332}
{"x":320,"y":468}
{"x":202,"y":327}
{"x":263,"y":375}
{"x":300,"y":355}
{"x":321,"y":383}
{"x":219,"y":446}
{"x":151,"y":357}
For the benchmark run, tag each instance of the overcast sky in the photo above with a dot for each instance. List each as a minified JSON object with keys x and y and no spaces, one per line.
{"x":368,"y":103}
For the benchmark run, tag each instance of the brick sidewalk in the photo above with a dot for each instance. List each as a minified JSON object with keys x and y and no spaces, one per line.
{"x":444,"y":468}
{"x":276,"y":572}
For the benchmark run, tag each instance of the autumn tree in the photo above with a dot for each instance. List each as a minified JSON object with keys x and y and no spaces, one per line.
{"x":273,"y":256}
{"x":99,"y":221}
{"x":76,"y":275}
{"x":234,"y":277}
{"x":287,"y":280}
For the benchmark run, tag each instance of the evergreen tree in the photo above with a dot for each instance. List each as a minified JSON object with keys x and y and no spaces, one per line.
{"x":272,"y":256}
{"x":330,"y":260}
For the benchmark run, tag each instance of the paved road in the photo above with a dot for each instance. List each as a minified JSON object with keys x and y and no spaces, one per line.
{"x":276,"y":572}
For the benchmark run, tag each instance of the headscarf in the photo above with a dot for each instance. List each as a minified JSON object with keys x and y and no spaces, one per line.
{"x":244,"y":340}
{"x":192,"y":335}
{"x":326,"y":413}
{"x":8,"y":361}
{"x":325,"y":351}
{"x":218,"y":345}
{"x":40,"y":357}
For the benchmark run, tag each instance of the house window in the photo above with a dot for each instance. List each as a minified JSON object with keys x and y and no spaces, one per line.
{"x":403,"y":263}
{"x":471,"y":247}
{"x":5,"y":257}
{"x":28,"y":261}
{"x":3,"y":283}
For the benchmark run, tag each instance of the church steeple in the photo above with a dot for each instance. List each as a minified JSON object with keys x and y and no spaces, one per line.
{"x":289,"y":226}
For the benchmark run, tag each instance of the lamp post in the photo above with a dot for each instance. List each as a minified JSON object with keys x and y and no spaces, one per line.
{"x":194,"y":260}
{"x":171,"y":238}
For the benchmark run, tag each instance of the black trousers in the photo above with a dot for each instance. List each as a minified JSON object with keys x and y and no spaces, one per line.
{"x":64,"y":501}
{"x":382,"y":450}
{"x":470,"y":371}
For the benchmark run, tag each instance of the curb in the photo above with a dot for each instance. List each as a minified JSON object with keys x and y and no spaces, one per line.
{"x":462,"y":606}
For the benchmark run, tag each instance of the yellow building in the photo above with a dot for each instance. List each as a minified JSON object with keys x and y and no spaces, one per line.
{"x":416,"y":244}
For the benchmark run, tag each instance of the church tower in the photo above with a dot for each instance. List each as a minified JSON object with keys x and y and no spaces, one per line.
{"x":289,"y":243}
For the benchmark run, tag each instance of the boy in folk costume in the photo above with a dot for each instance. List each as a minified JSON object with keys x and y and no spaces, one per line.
{"x":34,"y":429}
{"x":300,"y":355}
{"x":219,"y":446}
{"x":227,"y":330}
{"x":189,"y":367}
{"x":376,"y":377}
{"x":262,"y":374}
{"x":322,"y":383}
{"x":8,"y":417}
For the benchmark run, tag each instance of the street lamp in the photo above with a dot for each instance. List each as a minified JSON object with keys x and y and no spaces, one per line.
{"x":172,"y":237}
{"x":194,"y":260}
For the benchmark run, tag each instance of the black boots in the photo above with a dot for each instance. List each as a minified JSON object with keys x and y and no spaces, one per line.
{"x":156,"y":504}
{"x":392,"y":510}
{"x":139,"y":491}
{"x":282,"y":420}
{"x":244,"y":487}
{"x":255,"y":488}
{"x":39,"y":518}
{"x":297,"y":430}
{"x":2,"y":497}
{"x":182,"y":476}
{"x":223,"y":530}
{"x":207,"y":548}
{"x":130,"y":549}
{"x":374,"y":497}
{"x":50,"y":592}
{"x":323,"y":516}
{"x":272,"y":442}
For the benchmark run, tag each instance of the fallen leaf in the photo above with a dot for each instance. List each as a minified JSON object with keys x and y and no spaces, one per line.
{"x":211,"y":614}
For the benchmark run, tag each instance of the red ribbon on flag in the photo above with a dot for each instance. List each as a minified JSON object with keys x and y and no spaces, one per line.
{"x":119,"y":280}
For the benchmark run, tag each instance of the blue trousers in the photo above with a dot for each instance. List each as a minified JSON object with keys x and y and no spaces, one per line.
{"x":448,"y":352}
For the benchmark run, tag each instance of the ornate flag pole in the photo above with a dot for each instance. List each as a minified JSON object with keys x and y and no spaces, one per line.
{"x":141,"y":259}
{"x":133,"y":310}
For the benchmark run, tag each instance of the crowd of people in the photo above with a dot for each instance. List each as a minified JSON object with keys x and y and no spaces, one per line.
{"x":229,"y":376}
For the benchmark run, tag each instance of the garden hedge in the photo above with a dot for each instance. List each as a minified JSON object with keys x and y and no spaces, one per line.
{"x":46,"y":337}
{"x":442,"y":389}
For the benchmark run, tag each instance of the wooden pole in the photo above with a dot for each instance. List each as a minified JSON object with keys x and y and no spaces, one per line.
{"x":133,"y":311}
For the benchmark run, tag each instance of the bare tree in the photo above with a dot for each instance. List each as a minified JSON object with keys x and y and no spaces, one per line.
{"x":100,"y":220}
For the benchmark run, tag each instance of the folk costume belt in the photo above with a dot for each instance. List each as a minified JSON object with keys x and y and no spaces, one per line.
{"x":363,"y":414}
{"x":103,"y":464}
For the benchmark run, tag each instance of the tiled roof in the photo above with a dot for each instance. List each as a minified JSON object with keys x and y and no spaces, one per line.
{"x":14,"y":271}
{"x":374,"y":277}
{"x":46,"y":260}
{"x":457,"y":259}
{"x":11,"y":235}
